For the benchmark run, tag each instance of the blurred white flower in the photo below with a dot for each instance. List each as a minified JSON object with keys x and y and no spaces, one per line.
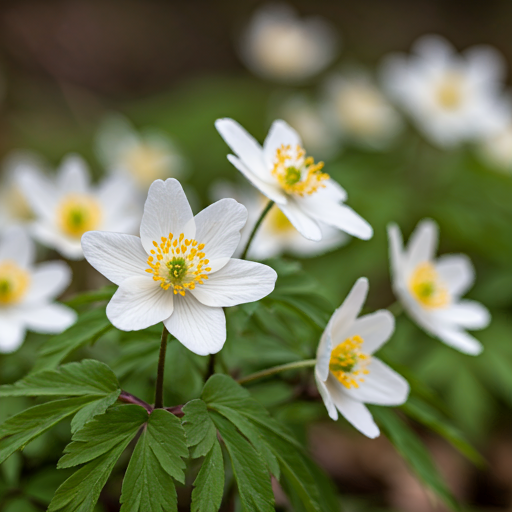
{"x":360,"y":111}
{"x":27,"y":292}
{"x":312,"y":124}
{"x":276,"y":235}
{"x":14,"y":207}
{"x":143,"y":157}
{"x":452,"y":97}
{"x":279,"y":45}
{"x":496,"y":150}
{"x":281,"y":171}
{"x":346,"y":372}
{"x":68,"y":205}
{"x":180,"y":271}
{"x":430,"y":290}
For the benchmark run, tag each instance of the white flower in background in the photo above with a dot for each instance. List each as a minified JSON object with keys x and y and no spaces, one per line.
{"x":496,"y":150}
{"x":347,"y":373}
{"x":282,"y":172}
{"x":27,"y":292}
{"x":279,"y":45}
{"x":180,"y":271}
{"x":276,"y":235}
{"x":430,"y":290}
{"x":452,"y":97}
{"x":143,"y":157}
{"x":360,"y":111}
{"x":311,"y":123}
{"x":14,"y":208}
{"x":68,"y":205}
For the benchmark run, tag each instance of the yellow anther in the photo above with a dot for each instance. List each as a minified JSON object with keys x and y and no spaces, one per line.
{"x":427,"y":288}
{"x":348,"y":363}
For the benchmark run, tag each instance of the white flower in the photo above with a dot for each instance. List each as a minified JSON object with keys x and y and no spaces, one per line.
{"x":312,"y":124}
{"x":276,"y":235}
{"x":452,"y":97}
{"x":278,"y":45}
{"x":346,"y":372}
{"x":496,"y":150}
{"x":143,"y":157}
{"x":430,"y":290}
{"x":68,"y":206}
{"x":180,"y":272}
{"x":360,"y":111}
{"x":27,"y":292}
{"x":283,"y":173}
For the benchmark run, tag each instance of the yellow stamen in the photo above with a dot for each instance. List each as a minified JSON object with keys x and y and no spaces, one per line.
{"x":348,"y":363}
{"x":14,"y":282}
{"x":449,"y":93}
{"x":427,"y":288}
{"x":296,"y":173}
{"x":78,"y":213}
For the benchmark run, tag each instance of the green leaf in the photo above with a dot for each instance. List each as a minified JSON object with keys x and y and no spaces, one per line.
{"x":200,"y":429}
{"x":426,"y":415}
{"x":100,"y":444}
{"x":88,"y":377}
{"x":92,"y":410}
{"x":312,"y":307}
{"x":88,"y":328}
{"x":414,"y":452}
{"x":18,"y":431}
{"x":251,"y":475}
{"x":147,"y":486}
{"x":209,"y":484}
{"x":101,"y":295}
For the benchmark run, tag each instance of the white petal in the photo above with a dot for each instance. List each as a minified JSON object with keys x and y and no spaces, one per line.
{"x":117,"y":195}
{"x":333,"y":190}
{"x":244,"y":146}
{"x":460,"y":340}
{"x":50,"y":318}
{"x":382,"y":386}
{"x":116,"y":256}
{"x":271,"y":190}
{"x":457,"y":272}
{"x":48,"y":281}
{"x":323,"y":353}
{"x":485,"y":64}
{"x":396,"y":255}
{"x":166,"y":211}
{"x":73,"y":175}
{"x":218,"y":227}
{"x":12,"y":335}
{"x":238,"y":282}
{"x":17,"y":246}
{"x":52,"y":237}
{"x":375,"y":329}
{"x":354,"y":412}
{"x":139,"y":303}
{"x":344,"y":317}
{"x":326,"y":397}
{"x":422,"y":245}
{"x":337,"y":215}
{"x":435,"y":49}
{"x":40,"y":192}
{"x":467,"y":313}
{"x":301,"y":221}
{"x":280,"y":133}
{"x":200,"y":328}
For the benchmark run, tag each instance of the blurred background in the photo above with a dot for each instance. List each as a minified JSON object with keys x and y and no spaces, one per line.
{"x":79,"y":75}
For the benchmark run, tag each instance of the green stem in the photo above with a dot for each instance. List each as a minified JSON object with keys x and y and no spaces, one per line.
{"x":159,"y":394}
{"x":277,"y":369}
{"x":256,"y":227}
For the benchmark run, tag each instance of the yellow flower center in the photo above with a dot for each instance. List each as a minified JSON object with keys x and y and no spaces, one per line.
{"x":78,"y":213}
{"x":296,"y":173}
{"x":427,"y":288}
{"x":14,"y":282}
{"x":146,"y":163}
{"x":178,"y":263}
{"x":449,"y":93}
{"x":348,"y":363}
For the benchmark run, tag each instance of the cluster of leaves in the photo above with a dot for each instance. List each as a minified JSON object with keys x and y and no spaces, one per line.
{"x":227,"y":438}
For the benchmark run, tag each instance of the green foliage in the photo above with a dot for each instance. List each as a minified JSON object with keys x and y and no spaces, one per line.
{"x":148,"y":485}
{"x":90,"y":326}
{"x":414,"y":452}
{"x":199,"y":427}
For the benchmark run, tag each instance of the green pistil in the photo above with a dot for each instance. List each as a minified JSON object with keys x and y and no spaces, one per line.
{"x":293,"y":176}
{"x":5,"y":287}
{"x":77,"y":218}
{"x":426,"y":290}
{"x":342,"y":366}
{"x":177,"y":269}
